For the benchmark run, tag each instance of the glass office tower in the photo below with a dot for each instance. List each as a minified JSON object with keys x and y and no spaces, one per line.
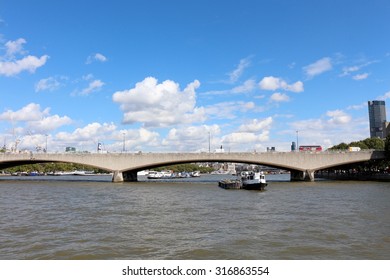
{"x":377,"y":116}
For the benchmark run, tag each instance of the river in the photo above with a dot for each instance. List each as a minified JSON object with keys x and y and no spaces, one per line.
{"x":91,"y":218}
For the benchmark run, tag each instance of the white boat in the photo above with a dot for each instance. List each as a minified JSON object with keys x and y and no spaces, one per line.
{"x":159,"y":174}
{"x":253,"y":180}
{"x":61,"y":173}
{"x":195,"y":174}
{"x":247,"y":180}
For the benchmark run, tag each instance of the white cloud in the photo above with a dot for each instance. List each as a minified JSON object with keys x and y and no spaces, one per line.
{"x":248,"y":135}
{"x":91,"y":132}
{"x":96,"y":57}
{"x":30,"y":112}
{"x":236,"y":139}
{"x":359,"y":77}
{"x":236,"y":73}
{"x":87,"y":137}
{"x":135,"y":139}
{"x":160,"y":105}
{"x":256,"y":125}
{"x":275,"y":83}
{"x":32,"y":119}
{"x":14,"y":47}
{"x":247,"y":86}
{"x":385,"y":96}
{"x":227,"y":110}
{"x":357,"y":107}
{"x":28,"y":63}
{"x":308,"y":125}
{"x":279,"y":97}
{"x":270,"y":83}
{"x":100,"y":57}
{"x":93,"y":86}
{"x":338,"y":117}
{"x":332,"y":128}
{"x":49,"y":84}
{"x":291,"y":65}
{"x":320,"y":66}
{"x":295,"y":87}
{"x":350,"y":69}
{"x":192,"y":138}
{"x":48,"y":123}
{"x":142,"y":136}
{"x":10,"y":65}
{"x":33,"y":141}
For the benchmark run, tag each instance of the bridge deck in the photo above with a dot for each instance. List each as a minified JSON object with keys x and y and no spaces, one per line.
{"x":301,"y":162}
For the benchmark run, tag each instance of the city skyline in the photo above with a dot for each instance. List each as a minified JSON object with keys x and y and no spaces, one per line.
{"x":174,"y":75}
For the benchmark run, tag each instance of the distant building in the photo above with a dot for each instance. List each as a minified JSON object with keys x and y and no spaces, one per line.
{"x":70,"y":149}
{"x":377,"y":117}
{"x":293,"y":147}
{"x":386,"y":128}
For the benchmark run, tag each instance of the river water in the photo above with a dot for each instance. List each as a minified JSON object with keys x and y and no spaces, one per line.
{"x":92,"y":218}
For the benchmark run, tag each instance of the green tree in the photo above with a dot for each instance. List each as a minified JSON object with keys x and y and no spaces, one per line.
{"x":368,"y":143}
{"x":361,"y":144}
{"x":374,"y":143}
{"x":387,"y":147}
{"x":341,"y":146}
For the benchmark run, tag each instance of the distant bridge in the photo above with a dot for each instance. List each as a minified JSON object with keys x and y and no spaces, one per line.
{"x":125,"y":166}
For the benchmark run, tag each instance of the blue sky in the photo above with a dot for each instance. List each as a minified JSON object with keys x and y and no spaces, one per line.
{"x":164,"y":75}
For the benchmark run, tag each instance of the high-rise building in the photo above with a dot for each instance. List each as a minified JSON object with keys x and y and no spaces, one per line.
{"x":377,"y":116}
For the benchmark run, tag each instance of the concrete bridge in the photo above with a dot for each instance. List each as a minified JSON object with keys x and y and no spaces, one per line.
{"x":125,"y":166}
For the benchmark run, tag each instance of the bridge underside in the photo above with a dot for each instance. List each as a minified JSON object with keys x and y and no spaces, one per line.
{"x":131,"y":176}
{"x":307,"y":175}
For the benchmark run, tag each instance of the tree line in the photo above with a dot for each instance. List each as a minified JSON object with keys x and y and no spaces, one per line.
{"x":368,"y":143}
{"x":69,"y":167}
{"x":185,"y":168}
{"x":373,"y":144}
{"x":52,"y":167}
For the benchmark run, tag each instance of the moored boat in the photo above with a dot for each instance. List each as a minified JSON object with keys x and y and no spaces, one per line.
{"x":247,"y":180}
{"x":253,"y":180}
{"x":230,"y":184}
{"x":195,"y":174}
{"x":159,"y":174}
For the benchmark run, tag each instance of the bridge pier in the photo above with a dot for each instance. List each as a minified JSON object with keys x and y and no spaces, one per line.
{"x":126,"y":176}
{"x":307,"y":175}
{"x":117,"y":177}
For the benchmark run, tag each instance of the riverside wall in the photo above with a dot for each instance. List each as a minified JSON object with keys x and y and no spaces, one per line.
{"x":380,"y":177}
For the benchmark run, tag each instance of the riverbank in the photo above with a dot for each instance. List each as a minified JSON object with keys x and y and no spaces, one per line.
{"x":380,"y":177}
